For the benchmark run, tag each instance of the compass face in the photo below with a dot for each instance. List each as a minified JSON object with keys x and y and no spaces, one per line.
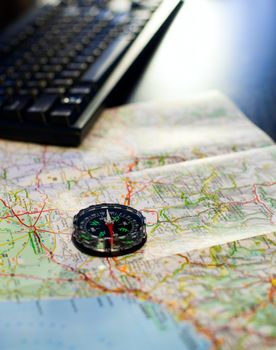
{"x":109,"y":230}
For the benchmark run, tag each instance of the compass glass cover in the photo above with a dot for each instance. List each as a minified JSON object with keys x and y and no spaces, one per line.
{"x":109,"y":230}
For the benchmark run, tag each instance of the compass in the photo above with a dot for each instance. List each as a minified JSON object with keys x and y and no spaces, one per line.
{"x":109,"y":230}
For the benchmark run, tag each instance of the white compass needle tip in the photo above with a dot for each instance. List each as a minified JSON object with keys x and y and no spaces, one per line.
{"x":108,"y":217}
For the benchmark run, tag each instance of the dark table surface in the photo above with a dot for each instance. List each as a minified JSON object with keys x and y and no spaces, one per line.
{"x":227,"y":45}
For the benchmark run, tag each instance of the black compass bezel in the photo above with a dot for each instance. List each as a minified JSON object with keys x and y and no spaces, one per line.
{"x":84,"y":248}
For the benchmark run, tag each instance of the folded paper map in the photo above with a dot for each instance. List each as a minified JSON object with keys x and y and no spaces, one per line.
{"x":205,"y":179}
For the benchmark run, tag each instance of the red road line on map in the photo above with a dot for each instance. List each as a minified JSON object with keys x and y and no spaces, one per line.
{"x":31,"y":213}
{"x":26,"y":225}
{"x":272,"y":291}
{"x":72,"y":166}
{"x":142,"y":189}
{"x":27,"y":213}
{"x":13,"y":212}
{"x":90,"y":281}
{"x":196,"y":263}
{"x":50,"y":254}
{"x":129,"y":193}
{"x":258,"y":199}
{"x":40,"y":213}
{"x":43,"y":246}
{"x":244,"y":202}
{"x":151,"y":211}
{"x":53,"y":232}
{"x":267,"y":185}
{"x":132,"y":165}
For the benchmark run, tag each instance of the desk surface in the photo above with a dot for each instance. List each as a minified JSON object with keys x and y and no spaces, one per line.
{"x":225,"y":45}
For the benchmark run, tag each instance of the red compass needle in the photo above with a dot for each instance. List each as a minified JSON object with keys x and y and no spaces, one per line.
{"x":110,"y":228}
{"x":110,"y":225}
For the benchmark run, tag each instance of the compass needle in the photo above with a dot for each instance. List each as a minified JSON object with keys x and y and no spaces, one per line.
{"x":110,"y":230}
{"x":108,"y":217}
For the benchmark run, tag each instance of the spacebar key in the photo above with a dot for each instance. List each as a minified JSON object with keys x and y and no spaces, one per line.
{"x":107,"y":59}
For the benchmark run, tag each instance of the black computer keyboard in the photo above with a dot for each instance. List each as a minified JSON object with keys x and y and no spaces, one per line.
{"x":59,"y":65}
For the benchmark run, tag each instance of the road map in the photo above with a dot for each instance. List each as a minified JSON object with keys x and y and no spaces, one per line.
{"x":219,"y":297}
{"x":205,"y":179}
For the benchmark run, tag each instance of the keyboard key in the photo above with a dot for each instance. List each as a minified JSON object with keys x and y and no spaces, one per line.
{"x":44,"y":76}
{"x":38,"y":111}
{"x":28,"y":92}
{"x":62,"y":116}
{"x":36,"y":84}
{"x":72,"y":74}
{"x":77,"y":66}
{"x":55,"y":90}
{"x":82,"y":90}
{"x":59,"y":60}
{"x":43,"y":60}
{"x":107,"y":59}
{"x":29,"y":68}
{"x":13,"y":83}
{"x":84,"y":59}
{"x":14,"y":109}
{"x":9,"y":92}
{"x":26,"y":75}
{"x":62,"y":82}
{"x":52,"y":68}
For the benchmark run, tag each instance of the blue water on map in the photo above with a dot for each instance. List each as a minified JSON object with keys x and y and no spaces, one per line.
{"x":108,"y":322}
